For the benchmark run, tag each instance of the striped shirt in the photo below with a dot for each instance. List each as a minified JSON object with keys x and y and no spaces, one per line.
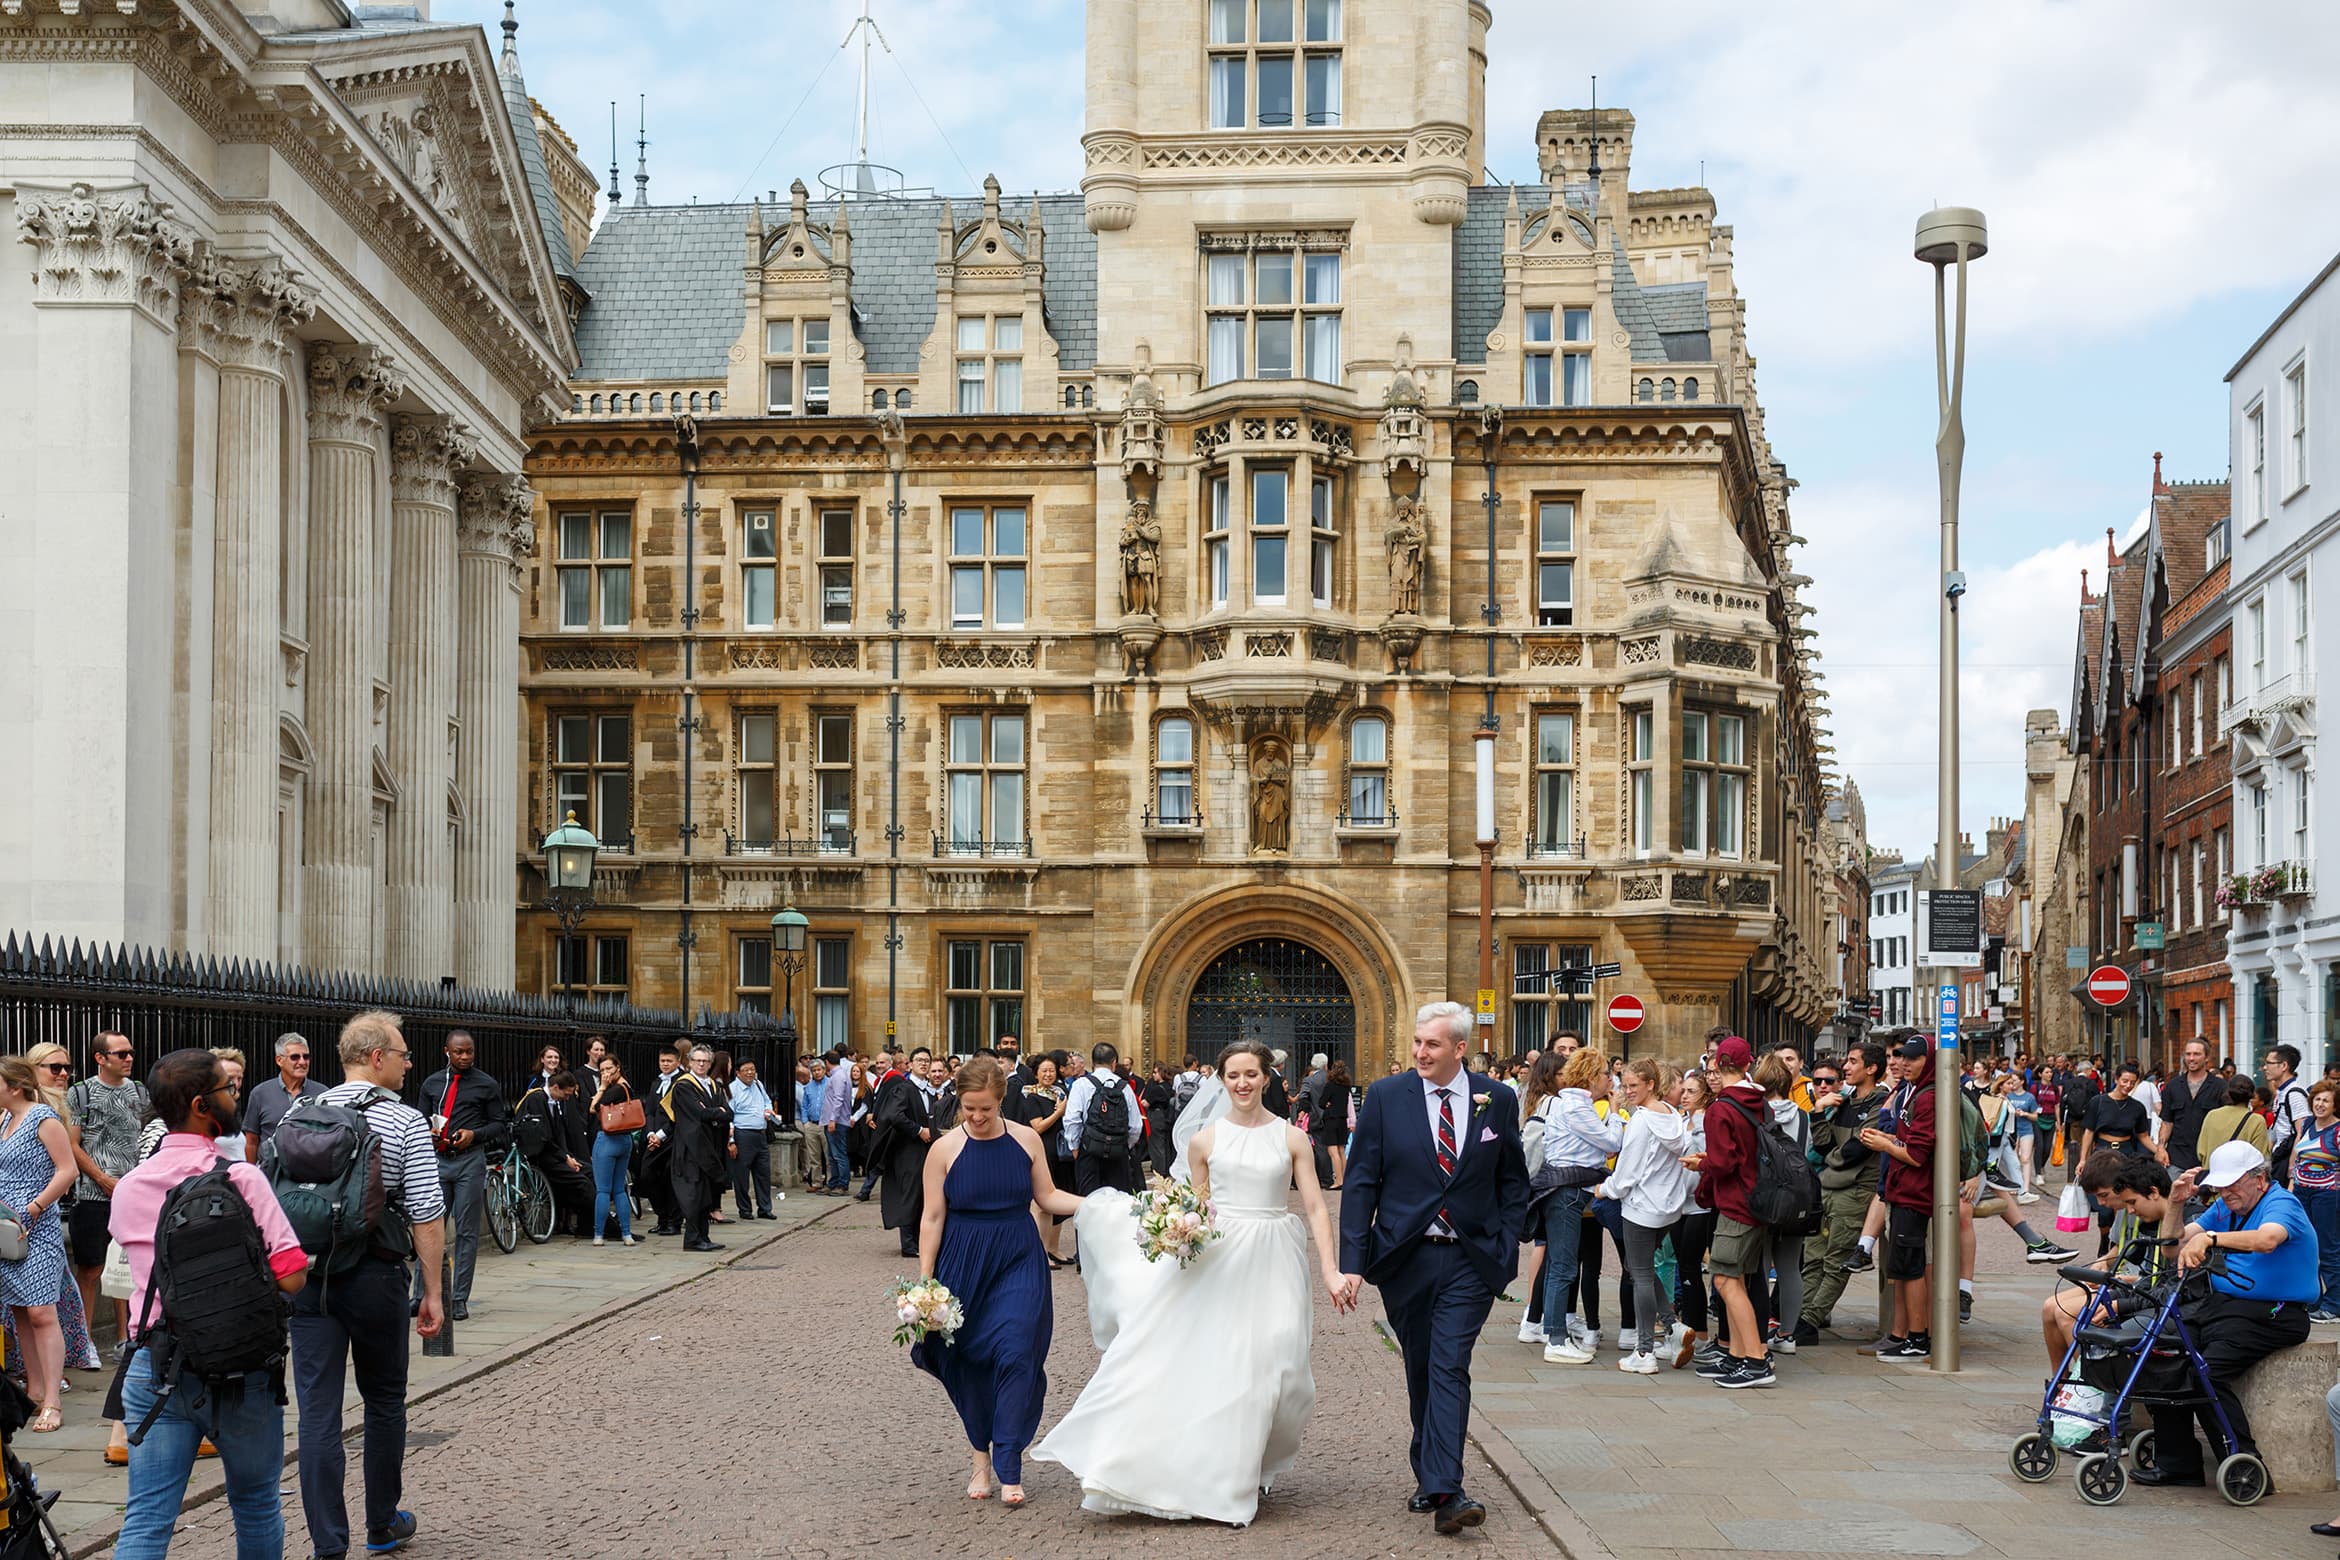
{"x":410,"y":1167}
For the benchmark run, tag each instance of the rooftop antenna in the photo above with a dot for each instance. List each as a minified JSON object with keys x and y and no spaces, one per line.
{"x":861,"y":177}
{"x":642,"y":153}
{"x":613,"y":177}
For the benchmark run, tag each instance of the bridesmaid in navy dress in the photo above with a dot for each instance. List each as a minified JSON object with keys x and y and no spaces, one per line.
{"x":978,"y":1238}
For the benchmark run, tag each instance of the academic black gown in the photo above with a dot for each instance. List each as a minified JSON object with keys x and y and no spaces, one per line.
{"x":902,"y":1111}
{"x":694,"y":1163}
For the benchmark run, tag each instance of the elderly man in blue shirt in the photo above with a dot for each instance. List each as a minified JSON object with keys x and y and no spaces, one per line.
{"x":2256,"y":1307}
{"x":753,"y":1121}
{"x":812,"y":1096}
{"x":836,"y":1119}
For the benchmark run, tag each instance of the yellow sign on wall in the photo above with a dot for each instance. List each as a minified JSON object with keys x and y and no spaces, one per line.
{"x":1487,"y":1000}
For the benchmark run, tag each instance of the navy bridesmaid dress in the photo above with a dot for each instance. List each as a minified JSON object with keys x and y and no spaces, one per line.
{"x":991,"y":1258}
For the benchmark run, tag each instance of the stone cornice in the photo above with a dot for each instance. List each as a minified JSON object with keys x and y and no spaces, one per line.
{"x":112,"y":247}
{"x":241,"y":313}
{"x":427,"y":457}
{"x":348,"y":388}
{"x":772,"y":444}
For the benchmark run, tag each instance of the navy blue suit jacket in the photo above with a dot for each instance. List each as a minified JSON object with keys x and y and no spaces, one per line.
{"x":1392,"y":1189}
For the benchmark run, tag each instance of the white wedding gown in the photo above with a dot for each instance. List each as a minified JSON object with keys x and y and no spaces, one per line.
{"x":1199,"y":1402}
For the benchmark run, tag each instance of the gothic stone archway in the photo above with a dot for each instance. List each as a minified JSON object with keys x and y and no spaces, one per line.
{"x":1277,"y":991}
{"x":1191,"y":939}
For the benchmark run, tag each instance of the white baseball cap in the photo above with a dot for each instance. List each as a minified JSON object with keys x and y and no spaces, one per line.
{"x":2230,"y":1162}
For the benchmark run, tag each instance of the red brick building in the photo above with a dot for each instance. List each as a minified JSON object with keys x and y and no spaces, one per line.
{"x":2160,"y":835}
{"x":2190,"y":634}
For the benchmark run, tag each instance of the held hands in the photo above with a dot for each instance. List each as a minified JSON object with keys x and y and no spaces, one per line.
{"x":1343,"y":1289}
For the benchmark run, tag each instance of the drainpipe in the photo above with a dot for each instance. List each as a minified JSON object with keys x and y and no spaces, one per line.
{"x":1483,"y":740}
{"x":897,"y":450}
{"x":686,"y":440}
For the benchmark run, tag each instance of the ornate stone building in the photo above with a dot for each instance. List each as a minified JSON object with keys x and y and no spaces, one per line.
{"x":289,"y":286}
{"x":1082,"y":608}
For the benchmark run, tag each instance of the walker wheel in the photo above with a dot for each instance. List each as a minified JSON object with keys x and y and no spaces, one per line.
{"x":2033,"y":1458}
{"x":2243,"y":1480}
{"x":2141,"y":1452}
{"x":2100,"y":1479}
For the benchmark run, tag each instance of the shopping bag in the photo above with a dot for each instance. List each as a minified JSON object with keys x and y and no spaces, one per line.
{"x":2071,"y":1398}
{"x":2056,"y":1154}
{"x":2072,"y":1210}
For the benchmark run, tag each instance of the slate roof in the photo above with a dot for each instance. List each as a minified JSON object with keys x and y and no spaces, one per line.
{"x":665,"y":284}
{"x":1667,"y":324}
{"x":2184,"y":516}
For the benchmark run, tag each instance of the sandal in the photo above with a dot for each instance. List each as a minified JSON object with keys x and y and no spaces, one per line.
{"x":47,"y":1420}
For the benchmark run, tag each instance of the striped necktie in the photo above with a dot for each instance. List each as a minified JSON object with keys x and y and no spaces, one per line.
{"x":1440,"y":1225}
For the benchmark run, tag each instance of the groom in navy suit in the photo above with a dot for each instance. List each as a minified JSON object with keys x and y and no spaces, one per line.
{"x":1431,"y":1211}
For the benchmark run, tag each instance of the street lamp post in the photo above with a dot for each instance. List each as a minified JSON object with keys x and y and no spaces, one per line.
{"x":1948,"y":236}
{"x":568,"y":869}
{"x":788,"y":924}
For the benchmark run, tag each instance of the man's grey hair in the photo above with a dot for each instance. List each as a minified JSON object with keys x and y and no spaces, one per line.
{"x":1454,"y":1015}
{"x":1318,"y":1060}
{"x":287,"y":1041}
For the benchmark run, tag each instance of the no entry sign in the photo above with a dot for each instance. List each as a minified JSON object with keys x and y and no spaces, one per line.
{"x":1625,"y":1014}
{"x":2108,"y":985}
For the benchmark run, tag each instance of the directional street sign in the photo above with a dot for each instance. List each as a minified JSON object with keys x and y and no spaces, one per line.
{"x":1947,"y":1034}
{"x":1625,"y":1014}
{"x":2108,"y":985}
{"x":2151,"y":937}
{"x":1567,"y":977}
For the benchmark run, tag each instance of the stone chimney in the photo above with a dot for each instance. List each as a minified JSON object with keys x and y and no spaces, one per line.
{"x":1564,"y":150}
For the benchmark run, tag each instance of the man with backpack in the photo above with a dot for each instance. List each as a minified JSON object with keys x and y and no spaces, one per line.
{"x":1726,"y":1179}
{"x":211,"y":1256}
{"x":373,"y":1204}
{"x":1909,"y":1198}
{"x":2291,"y":1107}
{"x":1102,"y":1123}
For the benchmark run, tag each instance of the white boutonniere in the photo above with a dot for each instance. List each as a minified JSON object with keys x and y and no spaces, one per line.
{"x":1478,"y":1103}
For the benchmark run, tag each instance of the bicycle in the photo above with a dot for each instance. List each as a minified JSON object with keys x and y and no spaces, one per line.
{"x":519,"y":1198}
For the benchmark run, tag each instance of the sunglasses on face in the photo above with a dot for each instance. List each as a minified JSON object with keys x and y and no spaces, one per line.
{"x":116,"y":1056}
{"x":56,"y":1067}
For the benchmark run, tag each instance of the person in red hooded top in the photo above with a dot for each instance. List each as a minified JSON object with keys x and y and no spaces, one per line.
{"x":1742,"y":1247}
{"x":1909,"y":1204}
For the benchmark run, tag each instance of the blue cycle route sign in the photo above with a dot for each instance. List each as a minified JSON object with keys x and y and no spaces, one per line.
{"x":1947,"y":1032}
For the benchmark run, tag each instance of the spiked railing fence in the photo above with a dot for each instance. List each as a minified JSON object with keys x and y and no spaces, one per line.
{"x":163,"y":1001}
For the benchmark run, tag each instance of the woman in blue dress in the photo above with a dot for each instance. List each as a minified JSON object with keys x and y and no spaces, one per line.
{"x":36,"y":1169}
{"x":978,"y":1238}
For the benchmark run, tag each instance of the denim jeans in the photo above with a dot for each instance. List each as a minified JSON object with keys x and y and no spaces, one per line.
{"x":611,"y":1153}
{"x":250,"y":1438}
{"x":2323,"y":1211}
{"x":840,"y":1159}
{"x":354,"y":1318}
{"x":1563,"y":1227}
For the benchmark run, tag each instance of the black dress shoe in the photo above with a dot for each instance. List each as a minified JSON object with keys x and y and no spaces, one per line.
{"x":1418,"y":1503}
{"x":2166,"y":1479}
{"x":911,"y":1252}
{"x":1459,"y":1512}
{"x":2325,"y":1529}
{"x":702,"y":1245}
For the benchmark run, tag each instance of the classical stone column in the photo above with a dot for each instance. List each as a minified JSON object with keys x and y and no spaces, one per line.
{"x":89,"y":589}
{"x":348,"y":388}
{"x":245,"y":312}
{"x":427,"y":456}
{"x":494,"y":533}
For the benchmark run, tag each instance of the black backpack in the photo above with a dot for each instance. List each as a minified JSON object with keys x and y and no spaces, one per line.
{"x":325,"y":1164}
{"x":1105,"y":1129}
{"x":223,"y":1318}
{"x":1786,"y":1197}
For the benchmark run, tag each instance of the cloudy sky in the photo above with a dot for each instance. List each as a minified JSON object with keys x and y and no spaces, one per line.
{"x":2156,"y":175}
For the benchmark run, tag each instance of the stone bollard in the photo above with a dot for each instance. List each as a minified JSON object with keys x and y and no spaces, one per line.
{"x":2284,"y":1396}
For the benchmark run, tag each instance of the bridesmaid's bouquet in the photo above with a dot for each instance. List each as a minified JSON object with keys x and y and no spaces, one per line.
{"x":1173,"y":1221}
{"x":922,"y":1306}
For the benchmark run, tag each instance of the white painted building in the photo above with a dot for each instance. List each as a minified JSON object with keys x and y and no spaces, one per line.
{"x":282,"y":289}
{"x":1893,"y":941}
{"x":2284,"y":945}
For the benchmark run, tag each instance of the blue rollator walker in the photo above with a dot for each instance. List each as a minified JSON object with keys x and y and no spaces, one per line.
{"x":2131,"y":1343}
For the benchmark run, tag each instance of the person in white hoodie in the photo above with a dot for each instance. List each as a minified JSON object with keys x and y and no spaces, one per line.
{"x":1578,"y":1144}
{"x":1653,"y":1186}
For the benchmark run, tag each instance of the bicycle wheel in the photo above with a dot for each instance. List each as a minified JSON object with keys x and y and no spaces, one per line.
{"x":502,"y":1216}
{"x":536,"y":1204}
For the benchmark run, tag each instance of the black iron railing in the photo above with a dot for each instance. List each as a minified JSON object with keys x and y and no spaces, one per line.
{"x":1557,"y":848}
{"x":960,"y":845}
{"x":790,"y":845}
{"x":165,"y":1001}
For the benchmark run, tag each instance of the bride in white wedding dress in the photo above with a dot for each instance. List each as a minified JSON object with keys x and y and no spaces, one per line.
{"x":1198,"y":1404}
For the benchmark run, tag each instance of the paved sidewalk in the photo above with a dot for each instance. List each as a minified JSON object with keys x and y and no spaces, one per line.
{"x":518,"y":1303}
{"x":1845,"y":1457}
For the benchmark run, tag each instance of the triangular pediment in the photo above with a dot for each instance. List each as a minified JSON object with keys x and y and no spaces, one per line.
{"x":434,"y":110}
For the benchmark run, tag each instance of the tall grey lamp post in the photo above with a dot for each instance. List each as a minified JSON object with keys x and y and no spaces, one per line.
{"x":1948,"y":236}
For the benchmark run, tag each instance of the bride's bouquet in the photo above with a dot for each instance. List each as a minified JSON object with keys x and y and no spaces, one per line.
{"x":1173,"y":1221}
{"x":922,"y":1306}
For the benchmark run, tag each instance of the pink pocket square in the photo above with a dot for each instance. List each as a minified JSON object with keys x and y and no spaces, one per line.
{"x":1486,"y":1134}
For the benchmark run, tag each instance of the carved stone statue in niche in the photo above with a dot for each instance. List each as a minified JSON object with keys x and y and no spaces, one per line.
{"x":1271,"y":797}
{"x":1141,"y":560}
{"x":1407,"y":539}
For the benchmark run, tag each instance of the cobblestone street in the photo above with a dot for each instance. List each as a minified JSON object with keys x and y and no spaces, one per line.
{"x":764,"y":1411}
